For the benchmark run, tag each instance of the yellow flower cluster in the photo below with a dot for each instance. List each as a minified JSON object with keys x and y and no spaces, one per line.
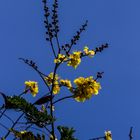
{"x":66,"y":83}
{"x":32,"y":87}
{"x":56,"y":88}
{"x":108,"y":135}
{"x":86,"y":87}
{"x":49,"y":80}
{"x":75,"y":59}
{"x":88,"y":52}
{"x":60,"y":58}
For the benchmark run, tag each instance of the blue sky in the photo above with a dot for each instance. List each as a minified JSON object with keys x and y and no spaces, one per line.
{"x":22,"y":34}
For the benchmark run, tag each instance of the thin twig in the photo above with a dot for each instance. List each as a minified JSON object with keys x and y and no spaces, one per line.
{"x":7,"y":134}
{"x":40,"y":73}
{"x":51,"y":102}
{"x":4,"y":97}
{"x":22,"y":93}
{"x":47,"y":129}
{"x":43,"y":80}
{"x":55,"y":23}
{"x":48,"y":28}
{"x":4,"y":126}
{"x":131,"y":133}
{"x":98,"y":138}
{"x":71,"y":96}
{"x":7,"y":117}
{"x":21,"y":123}
{"x":58,"y":44}
{"x":2,"y":113}
{"x":53,"y":48}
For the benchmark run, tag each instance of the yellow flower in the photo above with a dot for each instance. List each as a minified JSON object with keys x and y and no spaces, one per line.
{"x":108,"y":135}
{"x":75,"y":59}
{"x":88,"y":52}
{"x":56,"y":88}
{"x":60,"y":58}
{"x":32,"y":86}
{"x":86,"y":88}
{"x":66,"y":83}
{"x":49,"y":78}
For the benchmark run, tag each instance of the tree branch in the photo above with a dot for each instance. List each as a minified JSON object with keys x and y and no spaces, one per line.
{"x":71,"y":96}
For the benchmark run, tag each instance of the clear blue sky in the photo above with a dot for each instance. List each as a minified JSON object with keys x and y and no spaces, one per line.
{"x":116,"y":108}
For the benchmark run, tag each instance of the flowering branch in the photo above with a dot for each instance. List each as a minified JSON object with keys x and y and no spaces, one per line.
{"x":32,"y":64}
{"x":48,"y":26}
{"x":84,"y":88}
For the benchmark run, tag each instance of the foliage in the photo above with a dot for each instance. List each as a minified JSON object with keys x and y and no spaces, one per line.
{"x":32,"y":114}
{"x":66,"y":133}
{"x":24,"y":135}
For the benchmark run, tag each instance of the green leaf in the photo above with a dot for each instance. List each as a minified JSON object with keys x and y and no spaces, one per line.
{"x":66,"y":133}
